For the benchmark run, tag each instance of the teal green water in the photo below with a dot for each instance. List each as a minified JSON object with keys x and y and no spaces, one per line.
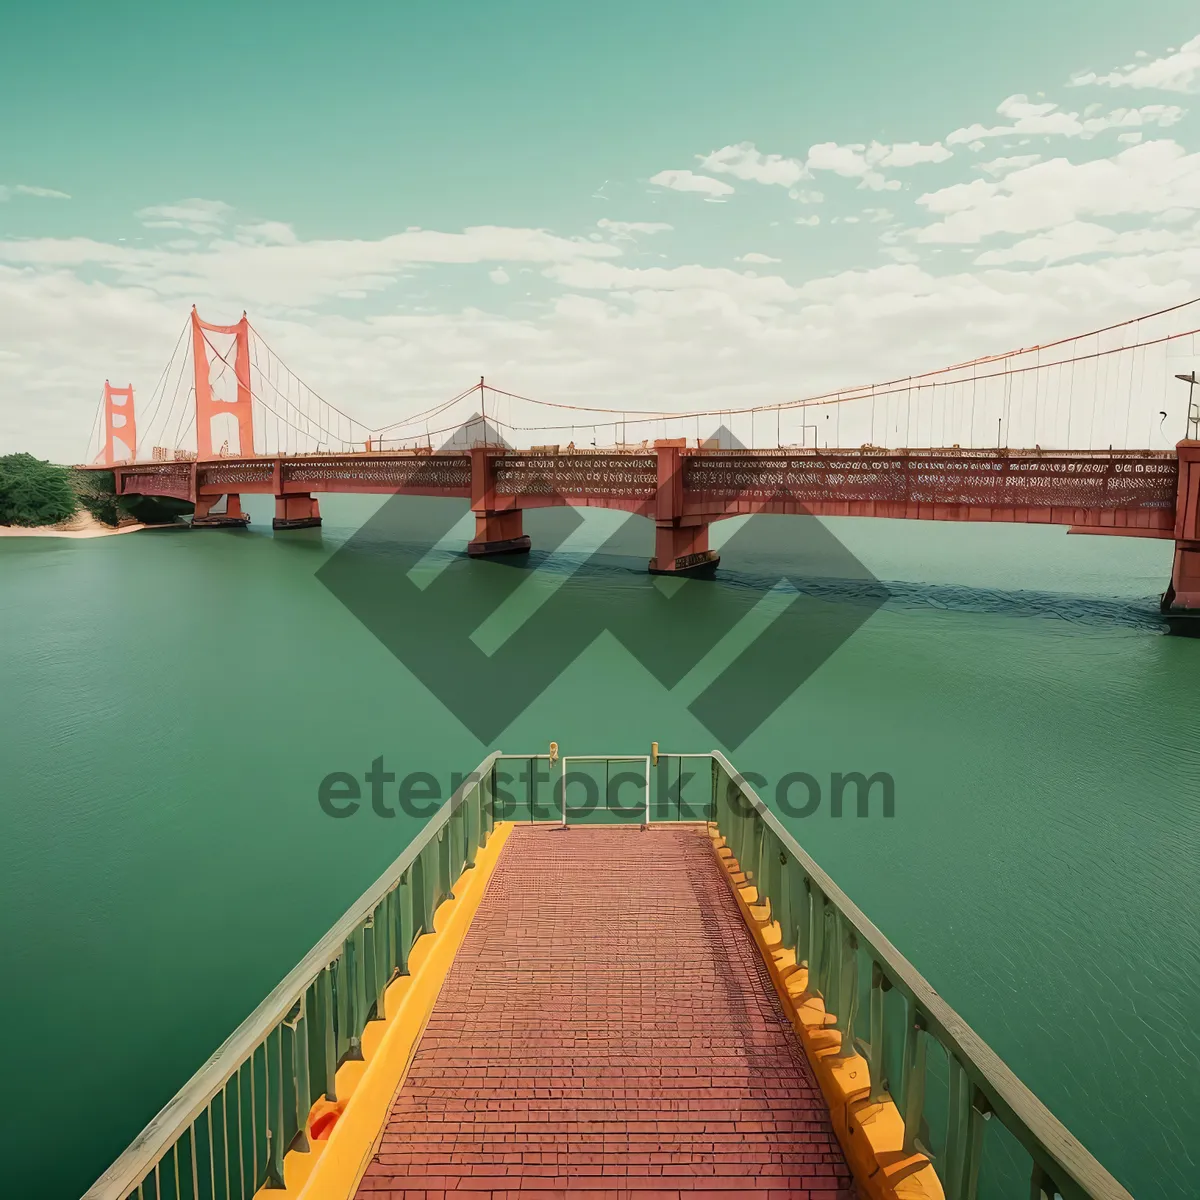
{"x":171,"y":701}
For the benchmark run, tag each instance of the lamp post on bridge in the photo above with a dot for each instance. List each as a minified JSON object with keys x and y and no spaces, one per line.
{"x":1193,"y":417}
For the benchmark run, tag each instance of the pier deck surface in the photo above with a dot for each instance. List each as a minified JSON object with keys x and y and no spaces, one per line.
{"x":608,"y":1029}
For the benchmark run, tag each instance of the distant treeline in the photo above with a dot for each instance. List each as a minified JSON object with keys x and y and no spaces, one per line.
{"x":35,"y":493}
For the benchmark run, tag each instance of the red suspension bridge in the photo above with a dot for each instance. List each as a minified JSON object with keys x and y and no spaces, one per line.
{"x":229,"y":418}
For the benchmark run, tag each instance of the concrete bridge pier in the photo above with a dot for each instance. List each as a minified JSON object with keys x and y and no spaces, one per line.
{"x":497,"y":530}
{"x":1181,"y":600}
{"x":680,"y":541}
{"x":296,"y":512}
{"x":231,"y":517}
{"x":682,"y":549}
{"x":499,"y":533}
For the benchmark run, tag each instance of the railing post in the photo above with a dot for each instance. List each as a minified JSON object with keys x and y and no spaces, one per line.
{"x":405,"y":921}
{"x":957,"y":1120}
{"x":487,"y":805}
{"x":444,"y":891}
{"x":474,"y":823}
{"x":785,"y":903}
{"x":757,"y":832}
{"x":914,"y":1078}
{"x":847,"y":1005}
{"x":195,"y":1165}
{"x":801,"y":902}
{"x":374,"y":952}
{"x":980,"y":1112}
{"x":768,"y":892}
{"x":816,"y":938}
{"x":325,"y":1015}
{"x":1041,"y":1186}
{"x":300,"y":1080}
{"x":391,"y":917}
{"x":877,"y":1063}
{"x":829,"y":978}
{"x":354,"y":1022}
{"x":274,"y":1103}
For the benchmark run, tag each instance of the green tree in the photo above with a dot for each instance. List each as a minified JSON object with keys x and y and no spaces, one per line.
{"x":97,"y":491}
{"x":34,"y":492}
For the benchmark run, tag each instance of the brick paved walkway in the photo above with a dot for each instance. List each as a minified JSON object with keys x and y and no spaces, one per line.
{"x":608,"y":1030}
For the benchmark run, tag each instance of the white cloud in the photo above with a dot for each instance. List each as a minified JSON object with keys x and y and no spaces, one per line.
{"x":1047,"y":120}
{"x":42,"y":193}
{"x":875,"y":182}
{"x":1175,"y":72}
{"x":853,"y":161}
{"x":275,"y":233}
{"x":688,"y":181}
{"x":1019,"y":108}
{"x":673,"y":337}
{"x":848,"y":161}
{"x":498,"y":275}
{"x":1001,"y":166}
{"x":196,"y":216}
{"x":626,"y":229}
{"x":811,"y":219}
{"x":26,"y":189}
{"x":711,"y":281}
{"x":907,"y":154}
{"x":1077,"y":238}
{"x":290,"y":275}
{"x":754,"y":257}
{"x":746,"y":161}
{"x":858,"y":161}
{"x":1153,"y":177}
{"x":1131,"y":139}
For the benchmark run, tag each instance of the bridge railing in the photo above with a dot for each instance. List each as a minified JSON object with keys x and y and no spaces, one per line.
{"x":603,"y":789}
{"x":227,"y":1130}
{"x":850,"y":961}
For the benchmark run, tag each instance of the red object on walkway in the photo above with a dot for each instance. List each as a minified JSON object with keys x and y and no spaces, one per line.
{"x":608,"y":1029}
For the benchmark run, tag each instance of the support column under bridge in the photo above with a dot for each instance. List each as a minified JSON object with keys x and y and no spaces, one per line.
{"x":649,"y":483}
{"x":499,"y":526}
{"x":1181,"y":601}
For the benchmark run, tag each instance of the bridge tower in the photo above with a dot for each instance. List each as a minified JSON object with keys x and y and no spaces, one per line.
{"x":208,"y":407}
{"x":241,"y":408}
{"x":119,"y":424}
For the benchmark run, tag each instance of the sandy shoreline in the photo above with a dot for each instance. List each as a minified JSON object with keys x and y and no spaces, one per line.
{"x":81,"y":525}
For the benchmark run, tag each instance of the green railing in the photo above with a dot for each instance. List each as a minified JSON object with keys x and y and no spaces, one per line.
{"x":604,"y":789}
{"x":225,"y":1134}
{"x":852,"y":967}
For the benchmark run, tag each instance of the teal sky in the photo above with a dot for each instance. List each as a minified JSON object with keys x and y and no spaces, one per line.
{"x":351,"y":123}
{"x":348,"y":118}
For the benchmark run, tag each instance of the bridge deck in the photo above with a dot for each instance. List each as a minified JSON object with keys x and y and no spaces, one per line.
{"x":608,"y":1029}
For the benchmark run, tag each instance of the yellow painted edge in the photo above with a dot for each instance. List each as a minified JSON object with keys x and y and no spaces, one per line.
{"x":334,"y":1166}
{"x":871,"y":1135}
